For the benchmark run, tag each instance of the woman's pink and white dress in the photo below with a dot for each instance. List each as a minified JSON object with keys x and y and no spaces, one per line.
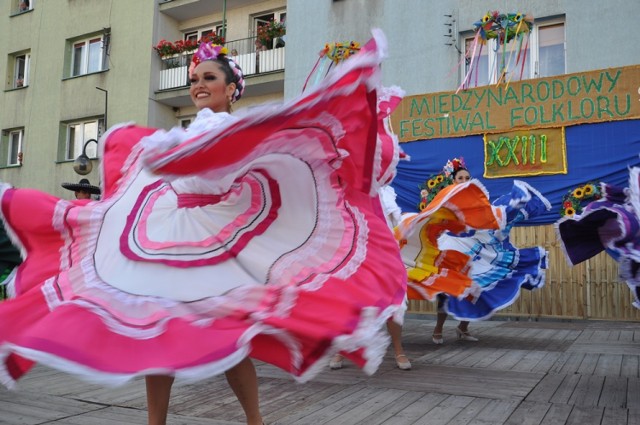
{"x":242,"y":236}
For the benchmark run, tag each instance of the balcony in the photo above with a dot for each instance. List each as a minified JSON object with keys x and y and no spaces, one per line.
{"x":262,"y":71}
{"x":182,"y":10}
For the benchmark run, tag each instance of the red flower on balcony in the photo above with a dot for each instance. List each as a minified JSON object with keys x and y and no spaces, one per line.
{"x":166,"y":48}
{"x":269,"y":31}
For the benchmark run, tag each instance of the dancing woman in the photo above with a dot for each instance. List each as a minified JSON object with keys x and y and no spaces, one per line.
{"x":203,"y":251}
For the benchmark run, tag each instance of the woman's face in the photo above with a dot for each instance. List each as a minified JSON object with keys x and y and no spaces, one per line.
{"x":462,"y":176}
{"x":209,"y":89}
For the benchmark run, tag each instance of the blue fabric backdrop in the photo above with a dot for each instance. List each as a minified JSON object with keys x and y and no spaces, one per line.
{"x":595,"y":152}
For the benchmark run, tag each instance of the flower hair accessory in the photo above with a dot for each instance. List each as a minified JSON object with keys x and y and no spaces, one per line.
{"x":210,"y":51}
{"x":454,"y":165}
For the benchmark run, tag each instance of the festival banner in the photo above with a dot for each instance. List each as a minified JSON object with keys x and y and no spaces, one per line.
{"x":525,"y":153}
{"x":587,"y":97}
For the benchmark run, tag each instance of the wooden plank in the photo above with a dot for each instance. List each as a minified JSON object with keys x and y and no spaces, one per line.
{"x":496,"y":412}
{"x":469,"y":412}
{"x":565,"y":389}
{"x":417,"y":410}
{"x":588,"y":364}
{"x":546,"y":388}
{"x":547,"y":362}
{"x":614,"y":392}
{"x":629,"y":367}
{"x":528,"y":413}
{"x":613,"y":416}
{"x":462,"y":381}
{"x":587,"y":392}
{"x":357,"y":412}
{"x":325,"y":409}
{"x":444,"y":411}
{"x":585,"y":416}
{"x":609,"y":365}
{"x":395,"y":410}
{"x":27,"y":407}
{"x":557,"y":414}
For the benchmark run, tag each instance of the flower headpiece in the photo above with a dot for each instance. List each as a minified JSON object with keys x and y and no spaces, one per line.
{"x":454,"y":165}
{"x":576,"y":199}
{"x":210,"y":51}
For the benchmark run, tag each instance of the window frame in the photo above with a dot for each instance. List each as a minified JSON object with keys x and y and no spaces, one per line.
{"x":533,"y":55}
{"x":74,"y":147}
{"x":264,"y":18}
{"x":26,"y":56}
{"x":85,"y":59}
{"x":9,"y":147}
{"x":198,"y":33}
{"x":10,"y":155}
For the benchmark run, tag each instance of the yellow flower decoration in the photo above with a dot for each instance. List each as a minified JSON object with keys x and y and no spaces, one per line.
{"x":578,"y":193}
{"x":431,"y":184}
{"x":588,"y":189}
{"x":569,"y":212}
{"x":439,"y":178}
{"x":423,"y":204}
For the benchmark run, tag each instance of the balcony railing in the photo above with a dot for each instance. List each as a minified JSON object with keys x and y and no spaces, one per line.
{"x":174,"y":72}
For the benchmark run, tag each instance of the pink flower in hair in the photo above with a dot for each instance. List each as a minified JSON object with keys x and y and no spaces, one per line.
{"x":205,"y":52}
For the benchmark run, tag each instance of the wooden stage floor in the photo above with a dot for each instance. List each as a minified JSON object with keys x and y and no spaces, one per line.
{"x":519,"y":373}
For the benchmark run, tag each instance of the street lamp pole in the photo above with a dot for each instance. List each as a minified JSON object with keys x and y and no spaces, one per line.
{"x":106,"y":105}
{"x":82,"y":164}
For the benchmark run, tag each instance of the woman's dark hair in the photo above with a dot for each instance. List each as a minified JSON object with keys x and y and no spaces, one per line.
{"x":455,"y":173}
{"x":232,"y":74}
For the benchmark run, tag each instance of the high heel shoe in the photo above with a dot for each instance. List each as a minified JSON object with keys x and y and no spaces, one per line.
{"x":403,"y":365}
{"x":465,"y":335}
{"x":336,"y":362}
{"x":437,"y":339}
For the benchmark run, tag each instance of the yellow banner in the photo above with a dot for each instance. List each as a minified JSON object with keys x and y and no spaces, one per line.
{"x":525,"y":153}
{"x":595,"y":96}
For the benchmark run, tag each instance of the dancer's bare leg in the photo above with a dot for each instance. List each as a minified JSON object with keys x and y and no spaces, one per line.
{"x":441,"y":318}
{"x":158,"y":394}
{"x":464,"y":326}
{"x":395,"y":331}
{"x":243,"y":381}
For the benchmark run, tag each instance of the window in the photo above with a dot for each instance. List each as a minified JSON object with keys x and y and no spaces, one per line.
{"x":545,"y":56}
{"x":186,"y":122}
{"x":88,"y":55}
{"x":77,"y":134}
{"x":19,"y":67}
{"x":196,"y":35}
{"x":21,"y":6}
{"x":266,"y":18}
{"x":12,"y":143}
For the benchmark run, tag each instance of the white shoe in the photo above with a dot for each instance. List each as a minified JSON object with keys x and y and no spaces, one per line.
{"x":336,"y":362}
{"x":465,"y":336}
{"x":403,"y":365}
{"x":437,"y":339}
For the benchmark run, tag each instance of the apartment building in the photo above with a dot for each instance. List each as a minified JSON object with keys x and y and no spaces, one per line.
{"x":72,"y":68}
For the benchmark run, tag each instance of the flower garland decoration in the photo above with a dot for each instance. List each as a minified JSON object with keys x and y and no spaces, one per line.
{"x":430,"y":188}
{"x":502,"y":27}
{"x":574,"y":201}
{"x":338,"y":52}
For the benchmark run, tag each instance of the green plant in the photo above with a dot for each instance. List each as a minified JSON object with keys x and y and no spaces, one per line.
{"x":269,"y":31}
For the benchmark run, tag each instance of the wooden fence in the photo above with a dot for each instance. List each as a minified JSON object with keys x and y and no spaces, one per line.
{"x":590,"y":290}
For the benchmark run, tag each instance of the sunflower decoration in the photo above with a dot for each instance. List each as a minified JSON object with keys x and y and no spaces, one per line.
{"x":576,"y":199}
{"x":432,"y":186}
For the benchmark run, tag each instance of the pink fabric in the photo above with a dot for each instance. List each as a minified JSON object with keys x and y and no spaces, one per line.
{"x":284,"y":257}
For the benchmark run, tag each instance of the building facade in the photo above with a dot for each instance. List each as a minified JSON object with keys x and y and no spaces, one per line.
{"x":72,"y":68}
